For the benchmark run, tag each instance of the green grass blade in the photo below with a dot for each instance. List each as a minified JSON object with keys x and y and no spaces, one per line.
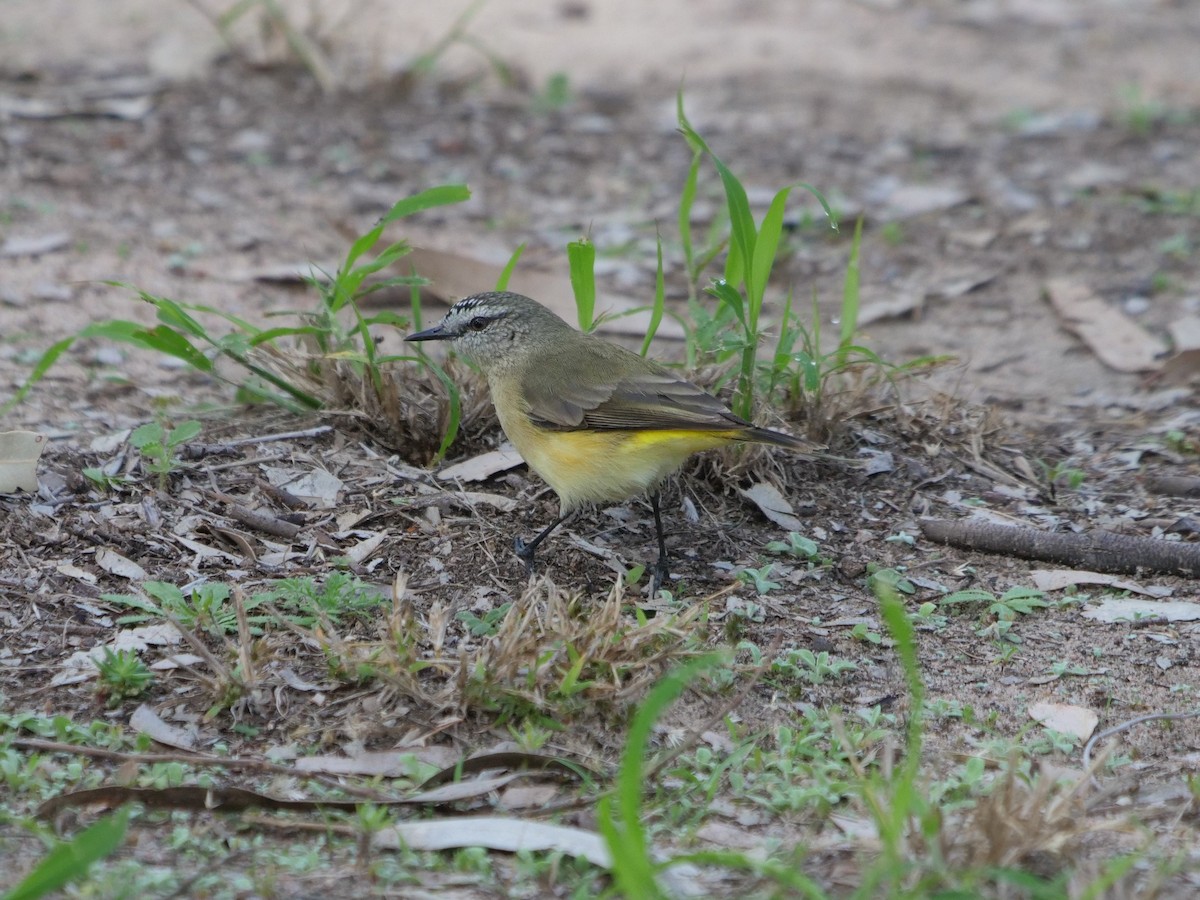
{"x":509,"y":267}
{"x":166,"y":340}
{"x":656,"y":312}
{"x":70,"y":861}
{"x":621,"y":822}
{"x":173,"y":316}
{"x":849,"y":316}
{"x":581,"y":255}
{"x":781,"y":874}
{"x":48,"y":359}
{"x":443,"y":195}
{"x":731,"y":297}
{"x":453,"y":413}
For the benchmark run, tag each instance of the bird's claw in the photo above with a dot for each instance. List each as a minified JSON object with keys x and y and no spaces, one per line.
{"x":525,"y":553}
{"x":661,"y":575}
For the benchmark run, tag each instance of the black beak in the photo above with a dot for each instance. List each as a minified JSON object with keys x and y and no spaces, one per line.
{"x":436,"y":333}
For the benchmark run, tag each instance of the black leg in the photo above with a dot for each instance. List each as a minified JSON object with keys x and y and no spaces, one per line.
{"x":662,"y":571}
{"x":526,"y":551}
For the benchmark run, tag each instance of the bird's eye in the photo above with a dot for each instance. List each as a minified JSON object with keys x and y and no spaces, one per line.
{"x":478,"y":323}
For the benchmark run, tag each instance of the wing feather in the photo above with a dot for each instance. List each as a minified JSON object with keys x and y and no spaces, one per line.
{"x":638,"y":394}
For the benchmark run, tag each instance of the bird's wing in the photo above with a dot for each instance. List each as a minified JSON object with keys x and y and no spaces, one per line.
{"x":648,"y":398}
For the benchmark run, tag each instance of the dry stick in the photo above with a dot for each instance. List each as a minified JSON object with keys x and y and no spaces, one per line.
{"x":263,"y":522}
{"x":195,"y":451}
{"x":192,"y":759}
{"x":1125,"y":726}
{"x":1100,"y":551}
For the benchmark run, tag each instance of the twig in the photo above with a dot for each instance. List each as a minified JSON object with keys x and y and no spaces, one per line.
{"x":223,"y":762}
{"x":1099,"y":551}
{"x":196,"y":451}
{"x":1125,"y":726}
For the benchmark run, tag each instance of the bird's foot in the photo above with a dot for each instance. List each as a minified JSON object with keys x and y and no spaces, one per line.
{"x":661,"y":576}
{"x":525,"y":552}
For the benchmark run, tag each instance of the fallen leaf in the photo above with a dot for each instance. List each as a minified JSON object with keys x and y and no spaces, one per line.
{"x":1118,"y":341}
{"x":116,"y":564}
{"x":73,"y":571}
{"x":148,"y":722}
{"x":910,"y":200}
{"x":485,"y":465}
{"x":1184,"y":365}
{"x":317,"y":487}
{"x":495,"y":833}
{"x":1076,"y":721}
{"x":19,"y":453}
{"x":773,"y":505}
{"x":35,"y":246}
{"x":1058,"y":579}
{"x":363,"y":549}
{"x":1128,"y":609}
{"x":384,"y":763}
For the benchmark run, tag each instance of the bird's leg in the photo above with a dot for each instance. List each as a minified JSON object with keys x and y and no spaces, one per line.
{"x":526,"y":551}
{"x":662,"y":571}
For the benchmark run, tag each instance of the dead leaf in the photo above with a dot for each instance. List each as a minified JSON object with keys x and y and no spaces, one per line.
{"x":148,"y":722}
{"x":73,"y":571}
{"x":773,"y":505}
{"x":1118,"y":341}
{"x":1184,"y":365}
{"x":317,"y":487}
{"x":116,"y":564}
{"x":495,"y":833}
{"x":19,"y":453}
{"x":385,"y":763}
{"x":1128,"y":609}
{"x":485,"y":465}
{"x":1076,"y":721}
{"x":910,"y":200}
{"x":35,"y":246}
{"x":363,"y":549}
{"x":1059,"y":579}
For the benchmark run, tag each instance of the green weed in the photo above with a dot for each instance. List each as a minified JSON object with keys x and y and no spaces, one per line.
{"x":159,"y":444}
{"x":122,"y":676}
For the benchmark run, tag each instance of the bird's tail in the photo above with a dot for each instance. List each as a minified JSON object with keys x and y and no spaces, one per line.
{"x":777,"y":438}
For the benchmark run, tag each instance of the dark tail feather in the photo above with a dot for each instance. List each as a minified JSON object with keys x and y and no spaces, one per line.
{"x":778,"y":439}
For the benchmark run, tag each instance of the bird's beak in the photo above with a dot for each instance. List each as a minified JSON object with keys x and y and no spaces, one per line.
{"x":436,"y":333}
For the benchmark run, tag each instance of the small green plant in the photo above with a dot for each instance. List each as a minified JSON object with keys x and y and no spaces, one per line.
{"x":489,"y":624}
{"x":760,"y":578}
{"x":863,"y":632}
{"x":1139,"y":113}
{"x":159,"y":445}
{"x":796,"y":545}
{"x":801,"y":665}
{"x":892,"y":233}
{"x":1060,"y":474}
{"x":102,"y":480}
{"x":1013,"y":602}
{"x":555,"y":95}
{"x":122,"y":676}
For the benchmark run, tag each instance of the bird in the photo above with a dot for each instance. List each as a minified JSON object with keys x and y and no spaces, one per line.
{"x":599,"y":423}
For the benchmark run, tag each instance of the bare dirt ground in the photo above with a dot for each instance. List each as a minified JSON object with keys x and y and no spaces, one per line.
{"x":994,"y":148}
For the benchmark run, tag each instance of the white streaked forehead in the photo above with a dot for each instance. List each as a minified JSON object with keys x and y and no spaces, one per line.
{"x":473,"y":302}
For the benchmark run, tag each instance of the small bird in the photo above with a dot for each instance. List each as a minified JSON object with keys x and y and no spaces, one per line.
{"x":599,"y":423}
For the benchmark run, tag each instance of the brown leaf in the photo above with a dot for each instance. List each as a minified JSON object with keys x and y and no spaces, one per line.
{"x":1118,"y":341}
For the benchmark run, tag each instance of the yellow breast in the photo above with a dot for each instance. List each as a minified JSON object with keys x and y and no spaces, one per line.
{"x":601,"y":466}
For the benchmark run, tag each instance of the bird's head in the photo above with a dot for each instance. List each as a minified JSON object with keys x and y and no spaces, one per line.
{"x":496,"y":330}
